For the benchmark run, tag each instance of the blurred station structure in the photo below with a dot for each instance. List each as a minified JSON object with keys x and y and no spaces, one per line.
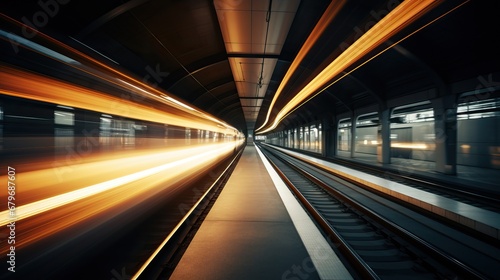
{"x":249,"y":139}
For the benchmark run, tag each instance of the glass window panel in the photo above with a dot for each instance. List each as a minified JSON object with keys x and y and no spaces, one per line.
{"x":64,"y":118}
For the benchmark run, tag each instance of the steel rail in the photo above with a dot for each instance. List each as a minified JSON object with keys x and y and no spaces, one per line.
{"x":355,"y":259}
{"x":409,"y":237}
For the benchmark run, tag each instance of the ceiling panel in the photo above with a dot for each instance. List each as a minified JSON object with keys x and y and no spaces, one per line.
{"x":251,"y":102}
{"x":233,"y":5}
{"x":276,"y":34}
{"x":250,"y":115}
{"x":250,"y":109}
{"x":251,"y":32}
{"x":215,"y":55}
{"x":238,"y":48}
{"x":232,"y":23}
{"x":247,"y":72}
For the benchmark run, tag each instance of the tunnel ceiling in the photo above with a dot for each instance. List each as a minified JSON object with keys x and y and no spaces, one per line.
{"x":229,"y":57}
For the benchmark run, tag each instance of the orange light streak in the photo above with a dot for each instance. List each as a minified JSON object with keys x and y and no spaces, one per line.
{"x":190,"y":156}
{"x":400,"y":17}
{"x":325,"y":20}
{"x":18,"y":83}
{"x":414,"y":146}
{"x":101,"y":71}
{"x":94,"y":204}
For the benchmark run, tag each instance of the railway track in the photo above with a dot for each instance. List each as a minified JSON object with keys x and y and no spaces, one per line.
{"x":381,"y":239}
{"x":463,"y":193}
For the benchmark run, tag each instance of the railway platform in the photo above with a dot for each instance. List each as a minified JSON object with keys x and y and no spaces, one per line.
{"x":257,"y":230}
{"x":471,"y":177}
{"x":468,"y":215}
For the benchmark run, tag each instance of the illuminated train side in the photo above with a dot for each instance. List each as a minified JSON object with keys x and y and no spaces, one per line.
{"x":54,"y":99}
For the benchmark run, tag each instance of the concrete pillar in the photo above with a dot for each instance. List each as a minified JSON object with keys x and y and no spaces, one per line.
{"x":294,"y":138}
{"x":445,"y":116}
{"x":353,"y":134}
{"x":334,"y":137}
{"x":289,"y":138}
{"x":328,"y":137}
{"x":384,"y":136}
{"x":299,"y":138}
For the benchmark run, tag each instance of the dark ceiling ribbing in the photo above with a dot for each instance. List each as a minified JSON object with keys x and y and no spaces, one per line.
{"x":179,"y":46}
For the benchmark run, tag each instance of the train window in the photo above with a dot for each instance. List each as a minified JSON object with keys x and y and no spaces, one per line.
{"x":140,"y":127}
{"x":422,"y":116}
{"x":345,"y":123}
{"x":1,"y":114}
{"x":105,"y":130}
{"x":344,"y":135}
{"x":64,"y":118}
{"x":105,"y":123}
{"x":367,"y":120}
{"x":117,"y":133}
{"x":413,"y":132}
{"x":367,"y":134}
{"x":413,"y":113}
{"x":472,"y":108}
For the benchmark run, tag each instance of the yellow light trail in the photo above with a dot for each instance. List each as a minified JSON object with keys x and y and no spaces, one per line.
{"x":328,"y":16}
{"x":400,"y":17}
{"x":18,"y":83}
{"x":198,"y":155}
{"x":101,"y":71}
{"x":415,"y":146}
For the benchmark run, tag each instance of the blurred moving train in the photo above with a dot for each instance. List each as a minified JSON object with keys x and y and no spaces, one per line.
{"x":55,"y":100}
{"x":95,"y":150}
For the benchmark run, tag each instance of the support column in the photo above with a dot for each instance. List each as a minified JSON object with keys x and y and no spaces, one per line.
{"x":384,"y":136}
{"x":445,"y":115}
{"x":294,"y":138}
{"x":353,"y":134}
{"x":328,"y":137}
{"x":300,"y":137}
{"x":334,"y":140}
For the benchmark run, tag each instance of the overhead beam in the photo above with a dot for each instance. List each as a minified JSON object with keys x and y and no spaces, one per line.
{"x":107,"y":17}
{"x":253,"y":55}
